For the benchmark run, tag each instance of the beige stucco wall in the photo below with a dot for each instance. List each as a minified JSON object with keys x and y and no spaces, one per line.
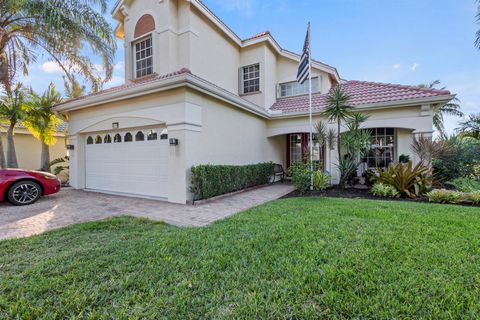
{"x":28,"y":149}
{"x":184,"y":37}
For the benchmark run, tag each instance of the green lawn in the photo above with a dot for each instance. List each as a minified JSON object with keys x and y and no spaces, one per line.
{"x":294,"y":258}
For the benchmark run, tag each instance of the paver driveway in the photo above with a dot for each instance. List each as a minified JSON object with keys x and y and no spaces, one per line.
{"x":74,"y":206}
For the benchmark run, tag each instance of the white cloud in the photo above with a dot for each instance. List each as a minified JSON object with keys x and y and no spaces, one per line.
{"x":414,"y":66}
{"x":396,"y":66}
{"x":51,"y":67}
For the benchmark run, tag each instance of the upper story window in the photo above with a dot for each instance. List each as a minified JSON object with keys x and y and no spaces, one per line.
{"x":250,"y":79}
{"x":143,"y":57}
{"x":289,"y":89}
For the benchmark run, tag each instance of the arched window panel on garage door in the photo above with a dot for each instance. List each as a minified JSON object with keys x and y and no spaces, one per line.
{"x":140,"y":136}
{"x":98,"y":140}
{"x":89,"y":140}
{"x":164,"y":134}
{"x":107,"y":139}
{"x":117,"y":138}
{"x":152,"y":135}
{"x":128,"y":137}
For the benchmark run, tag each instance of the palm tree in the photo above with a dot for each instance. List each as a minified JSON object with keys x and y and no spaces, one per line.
{"x":42,"y":121}
{"x":13,"y":107}
{"x":73,"y":88}
{"x":337,"y":109}
{"x":64,"y":30}
{"x":477,"y":41}
{"x":470,"y":127}
{"x":452,"y":108}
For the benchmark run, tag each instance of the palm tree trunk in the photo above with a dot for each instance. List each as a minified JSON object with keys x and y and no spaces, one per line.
{"x":45,"y":158}
{"x":3,"y":163}
{"x":11,"y":154}
{"x":339,"y":144}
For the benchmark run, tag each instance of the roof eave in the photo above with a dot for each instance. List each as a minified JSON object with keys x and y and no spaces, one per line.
{"x":376,"y":106}
{"x":187,"y":80}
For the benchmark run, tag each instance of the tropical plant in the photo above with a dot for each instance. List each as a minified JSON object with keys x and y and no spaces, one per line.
{"x":321,"y":180}
{"x":13,"y":108}
{"x":301,"y":176}
{"x":73,"y":88}
{"x":452,"y":108}
{"x":427,"y":149}
{"x":467,"y":184}
{"x":64,"y":30}
{"x":384,"y":190}
{"x":404,"y":158}
{"x":470,"y":127}
{"x":409,"y":181}
{"x":463,"y":160}
{"x":445,"y":196}
{"x":338,"y":110}
{"x":61,"y":166}
{"x":42,"y":121}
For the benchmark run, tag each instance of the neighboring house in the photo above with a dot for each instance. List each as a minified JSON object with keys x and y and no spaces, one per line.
{"x":29,"y":149}
{"x":196,"y":93}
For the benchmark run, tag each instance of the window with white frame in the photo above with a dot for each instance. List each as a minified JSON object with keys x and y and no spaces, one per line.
{"x":250,"y":79}
{"x":143,"y":57}
{"x":382,"y":147}
{"x":294,"y":88}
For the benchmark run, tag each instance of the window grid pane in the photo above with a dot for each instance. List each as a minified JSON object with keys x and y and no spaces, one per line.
{"x":382,"y":148}
{"x":294,"y":88}
{"x":143,"y":58}
{"x":251,"y":79}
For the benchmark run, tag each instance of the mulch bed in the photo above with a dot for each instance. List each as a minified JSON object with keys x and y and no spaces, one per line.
{"x":353,"y":193}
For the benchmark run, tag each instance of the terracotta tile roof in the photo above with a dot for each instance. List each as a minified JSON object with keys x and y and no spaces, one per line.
{"x":258,"y":35}
{"x":135,"y":83}
{"x":62,"y":127}
{"x":361,"y":93}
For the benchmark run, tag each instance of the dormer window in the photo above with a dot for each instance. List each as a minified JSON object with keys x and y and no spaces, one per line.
{"x":143,"y":57}
{"x":290,"y":89}
{"x":250,"y":79}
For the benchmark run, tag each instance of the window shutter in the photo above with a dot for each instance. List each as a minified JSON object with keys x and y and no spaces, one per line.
{"x":240,"y":81}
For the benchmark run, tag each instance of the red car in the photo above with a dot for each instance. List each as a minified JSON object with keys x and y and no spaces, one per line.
{"x":22,"y":187}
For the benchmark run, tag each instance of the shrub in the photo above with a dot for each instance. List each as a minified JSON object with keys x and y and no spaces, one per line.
{"x":474,"y":197}
{"x":467,"y":184}
{"x":407,"y":180}
{"x":212,"y":180}
{"x":384,"y":190}
{"x":321,"y":180}
{"x":301,"y":178}
{"x":445,"y":196}
{"x":464,"y":160}
{"x":404,"y":158}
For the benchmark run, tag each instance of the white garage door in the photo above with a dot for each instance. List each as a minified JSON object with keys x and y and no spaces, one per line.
{"x":131,"y":162}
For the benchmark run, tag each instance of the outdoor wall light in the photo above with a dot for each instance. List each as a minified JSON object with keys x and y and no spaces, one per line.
{"x":70,"y":147}
{"x":115,"y":125}
{"x":173,"y":142}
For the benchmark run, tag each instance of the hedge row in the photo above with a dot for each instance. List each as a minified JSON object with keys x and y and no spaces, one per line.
{"x":208,"y":181}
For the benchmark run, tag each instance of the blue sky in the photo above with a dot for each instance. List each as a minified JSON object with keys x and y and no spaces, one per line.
{"x":397,"y":41}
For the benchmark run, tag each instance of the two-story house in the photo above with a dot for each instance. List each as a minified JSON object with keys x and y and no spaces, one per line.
{"x":196,"y":93}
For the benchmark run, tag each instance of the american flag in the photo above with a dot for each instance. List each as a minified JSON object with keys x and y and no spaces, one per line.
{"x":304,"y":68}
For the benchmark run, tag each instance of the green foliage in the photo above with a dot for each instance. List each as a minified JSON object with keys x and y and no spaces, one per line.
{"x":69,"y":32}
{"x":474,"y":197}
{"x":301,"y":176}
{"x":384,"y":190}
{"x":467,"y":184}
{"x":60,"y":165}
{"x":444,"y":196}
{"x":408,"y":180}
{"x":321,"y":180}
{"x":404,"y":158}
{"x":299,"y":258}
{"x":470,"y":127}
{"x":208,"y":181}
{"x":462,"y":161}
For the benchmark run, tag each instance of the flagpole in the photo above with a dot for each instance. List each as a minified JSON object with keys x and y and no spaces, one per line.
{"x":310,"y":105}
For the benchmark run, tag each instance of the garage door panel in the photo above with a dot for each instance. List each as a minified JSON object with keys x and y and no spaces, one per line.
{"x":137,"y":167}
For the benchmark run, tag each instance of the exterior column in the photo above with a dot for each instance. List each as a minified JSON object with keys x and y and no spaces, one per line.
{"x":77,"y":161}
